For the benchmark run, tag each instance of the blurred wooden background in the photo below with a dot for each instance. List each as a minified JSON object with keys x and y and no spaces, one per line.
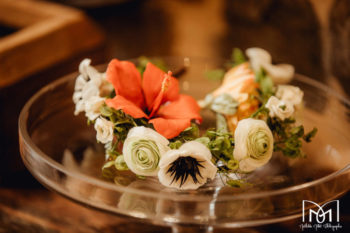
{"x":313,"y":35}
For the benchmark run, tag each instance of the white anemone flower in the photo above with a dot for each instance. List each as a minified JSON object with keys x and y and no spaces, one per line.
{"x":104,"y":129}
{"x":253,"y":144}
{"x":289,"y":93}
{"x":279,"y":108}
{"x":260,"y":58}
{"x":187,"y":168}
{"x":143,"y":149}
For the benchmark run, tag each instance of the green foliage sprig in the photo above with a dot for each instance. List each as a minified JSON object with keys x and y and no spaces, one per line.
{"x":122,"y":122}
{"x":266,"y":87}
{"x":288,"y":137}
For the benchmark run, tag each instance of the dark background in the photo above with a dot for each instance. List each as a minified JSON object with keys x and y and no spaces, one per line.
{"x":313,"y":35}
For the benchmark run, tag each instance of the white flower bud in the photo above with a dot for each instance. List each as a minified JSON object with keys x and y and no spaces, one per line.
{"x":289,"y":93}
{"x":104,"y":129}
{"x":279,"y":108}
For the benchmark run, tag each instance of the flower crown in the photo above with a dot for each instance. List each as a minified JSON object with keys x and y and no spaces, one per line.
{"x":150,"y":129}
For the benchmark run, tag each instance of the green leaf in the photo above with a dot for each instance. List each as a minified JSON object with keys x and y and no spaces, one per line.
{"x":215,"y":74}
{"x":238,"y":57}
{"x":266,"y":86}
{"x":310,"y":135}
{"x":233,"y":164}
{"x":297,"y":131}
{"x":204,"y":140}
{"x":142,"y":63}
{"x":221,"y":123}
{"x":188,"y":134}
{"x":175,"y":145}
{"x":221,"y":145}
{"x":120,"y":163}
{"x":288,"y":137}
{"x":261,"y":111}
{"x":224,"y":104}
{"x":106,"y":111}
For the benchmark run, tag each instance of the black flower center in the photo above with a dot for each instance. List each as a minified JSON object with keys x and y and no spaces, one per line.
{"x":183,"y":167}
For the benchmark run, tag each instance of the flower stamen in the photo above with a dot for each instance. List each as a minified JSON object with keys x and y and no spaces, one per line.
{"x":183,"y":167}
{"x":165,"y":83}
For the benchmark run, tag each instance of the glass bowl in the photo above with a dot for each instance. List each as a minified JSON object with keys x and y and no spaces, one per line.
{"x":61,"y":151}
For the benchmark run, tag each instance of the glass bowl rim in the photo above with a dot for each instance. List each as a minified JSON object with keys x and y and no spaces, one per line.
{"x":26,"y":139}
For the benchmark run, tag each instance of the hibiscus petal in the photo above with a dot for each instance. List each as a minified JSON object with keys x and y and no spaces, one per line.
{"x":152,"y":81}
{"x":170,"y":128}
{"x":119,"y":102}
{"x":185,"y":107}
{"x":126,"y":81}
{"x":176,"y":116}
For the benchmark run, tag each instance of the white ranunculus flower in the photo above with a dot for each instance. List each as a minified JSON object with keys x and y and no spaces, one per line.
{"x":92,"y":107}
{"x":289,"y":93}
{"x":143,"y":149}
{"x":260,"y":58}
{"x":279,"y":108}
{"x":253,"y":144}
{"x":189,"y":167}
{"x":104,"y":129}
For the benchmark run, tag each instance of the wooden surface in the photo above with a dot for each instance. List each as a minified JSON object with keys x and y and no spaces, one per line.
{"x":47,"y":33}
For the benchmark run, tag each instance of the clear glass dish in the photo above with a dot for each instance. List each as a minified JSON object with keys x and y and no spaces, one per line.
{"x":61,"y":151}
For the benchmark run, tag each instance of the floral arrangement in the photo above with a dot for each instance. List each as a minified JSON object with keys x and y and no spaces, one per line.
{"x":150,"y":129}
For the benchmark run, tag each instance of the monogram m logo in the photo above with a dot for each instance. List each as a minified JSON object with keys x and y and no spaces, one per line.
{"x":320,"y":215}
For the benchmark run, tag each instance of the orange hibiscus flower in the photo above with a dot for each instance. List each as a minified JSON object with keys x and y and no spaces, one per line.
{"x":154,"y":97}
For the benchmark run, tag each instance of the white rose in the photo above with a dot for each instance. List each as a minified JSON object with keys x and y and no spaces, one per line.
{"x":260,"y":58}
{"x":189,"y":167}
{"x":253,"y":144}
{"x":289,"y":93}
{"x":104,"y":129}
{"x":92,"y":107}
{"x":279,"y":108}
{"x":143,"y":149}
